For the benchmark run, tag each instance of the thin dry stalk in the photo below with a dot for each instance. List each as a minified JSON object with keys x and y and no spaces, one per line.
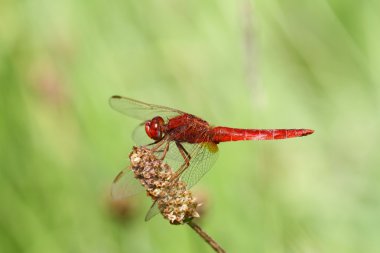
{"x":206,"y":237}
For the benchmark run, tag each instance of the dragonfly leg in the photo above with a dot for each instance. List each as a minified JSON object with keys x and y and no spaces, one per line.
{"x":153,"y":143}
{"x":179,"y":172}
{"x":186,"y":156}
{"x":158,"y":145}
{"x":166,"y":149}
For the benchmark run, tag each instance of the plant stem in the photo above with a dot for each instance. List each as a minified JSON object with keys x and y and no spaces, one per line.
{"x":206,"y":237}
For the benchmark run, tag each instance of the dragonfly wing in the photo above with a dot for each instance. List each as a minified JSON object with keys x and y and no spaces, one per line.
{"x":202,"y":159}
{"x":140,"y":137}
{"x":174,"y":157}
{"x":125,"y":185}
{"x":153,"y":211}
{"x":140,"y":110}
{"x":203,"y":156}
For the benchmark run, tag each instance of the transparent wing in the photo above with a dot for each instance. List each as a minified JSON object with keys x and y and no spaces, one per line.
{"x":140,"y":137}
{"x":203,"y":157}
{"x":125,"y":185}
{"x":174,"y":157}
{"x":140,"y":110}
{"x":153,"y":211}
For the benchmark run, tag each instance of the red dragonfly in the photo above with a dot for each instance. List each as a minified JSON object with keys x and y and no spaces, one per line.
{"x":184,"y":138}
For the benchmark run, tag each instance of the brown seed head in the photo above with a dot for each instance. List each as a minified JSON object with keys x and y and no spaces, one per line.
{"x":174,"y":201}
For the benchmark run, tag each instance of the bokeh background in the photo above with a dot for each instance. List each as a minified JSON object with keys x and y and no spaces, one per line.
{"x":251,"y":64}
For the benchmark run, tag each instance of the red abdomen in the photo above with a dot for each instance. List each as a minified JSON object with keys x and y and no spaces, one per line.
{"x":223,"y":134}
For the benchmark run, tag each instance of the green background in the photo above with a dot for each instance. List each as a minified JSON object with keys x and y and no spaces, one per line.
{"x":258,"y":64}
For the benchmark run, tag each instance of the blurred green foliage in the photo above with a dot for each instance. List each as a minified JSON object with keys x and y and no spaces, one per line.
{"x":259,"y":64}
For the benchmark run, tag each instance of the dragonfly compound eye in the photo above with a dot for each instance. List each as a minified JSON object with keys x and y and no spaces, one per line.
{"x":153,"y":128}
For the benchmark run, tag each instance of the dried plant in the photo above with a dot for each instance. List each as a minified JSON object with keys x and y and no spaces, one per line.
{"x":174,"y":201}
{"x":171,"y":195}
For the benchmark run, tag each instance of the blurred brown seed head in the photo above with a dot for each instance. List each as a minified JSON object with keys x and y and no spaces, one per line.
{"x":121,"y":209}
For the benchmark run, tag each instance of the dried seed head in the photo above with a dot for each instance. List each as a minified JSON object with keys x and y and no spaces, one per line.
{"x":174,"y":201}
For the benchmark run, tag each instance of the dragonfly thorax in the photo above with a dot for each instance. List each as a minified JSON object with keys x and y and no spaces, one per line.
{"x":154,"y":128}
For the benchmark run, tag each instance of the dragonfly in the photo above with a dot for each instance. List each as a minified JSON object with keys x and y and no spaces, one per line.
{"x":182,"y":139}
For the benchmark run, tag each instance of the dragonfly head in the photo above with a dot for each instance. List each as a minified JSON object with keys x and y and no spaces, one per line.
{"x":154,"y":128}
